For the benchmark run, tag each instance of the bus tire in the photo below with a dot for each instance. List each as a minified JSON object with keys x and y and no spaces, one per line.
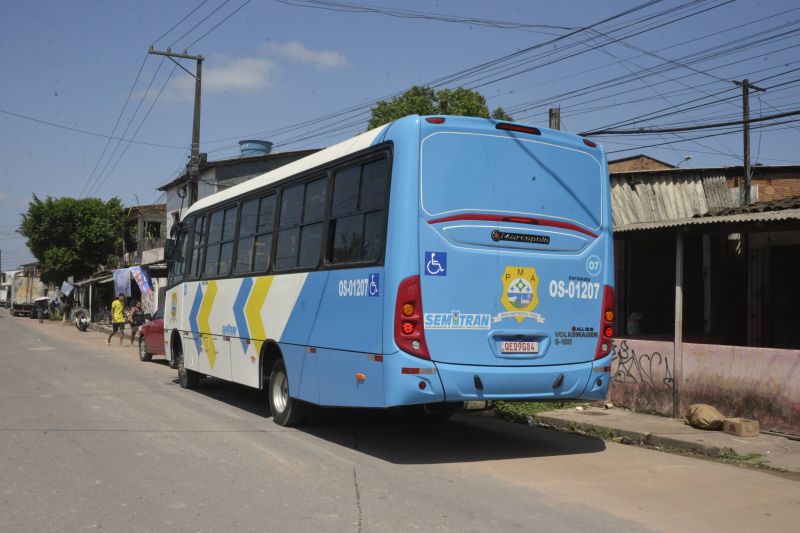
{"x":175,"y":345}
{"x":188,"y":379}
{"x":143,"y":355}
{"x":286,"y":411}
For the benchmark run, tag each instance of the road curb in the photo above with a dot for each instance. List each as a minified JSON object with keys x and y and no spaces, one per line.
{"x":631,"y":437}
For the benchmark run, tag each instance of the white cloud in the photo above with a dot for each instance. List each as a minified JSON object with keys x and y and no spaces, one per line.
{"x":297,"y":51}
{"x":248,"y":74}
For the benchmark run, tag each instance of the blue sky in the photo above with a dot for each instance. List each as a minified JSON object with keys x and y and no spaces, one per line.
{"x":273,"y":66}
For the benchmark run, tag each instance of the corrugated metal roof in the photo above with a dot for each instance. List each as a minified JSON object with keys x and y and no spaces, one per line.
{"x":669,"y":196}
{"x":763,"y":216}
{"x":760,"y":207}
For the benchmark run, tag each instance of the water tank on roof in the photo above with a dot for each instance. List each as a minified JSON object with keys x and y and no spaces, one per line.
{"x":252,"y":148}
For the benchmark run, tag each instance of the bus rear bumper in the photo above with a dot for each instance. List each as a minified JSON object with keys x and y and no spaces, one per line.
{"x":581,"y":381}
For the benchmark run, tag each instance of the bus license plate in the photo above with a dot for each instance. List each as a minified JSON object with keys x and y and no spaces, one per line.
{"x":519,"y":347}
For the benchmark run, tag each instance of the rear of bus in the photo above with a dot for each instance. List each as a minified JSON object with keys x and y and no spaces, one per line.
{"x":511,"y":296}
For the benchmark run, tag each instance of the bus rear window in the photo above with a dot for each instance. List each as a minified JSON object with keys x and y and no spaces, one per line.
{"x":480,"y":173}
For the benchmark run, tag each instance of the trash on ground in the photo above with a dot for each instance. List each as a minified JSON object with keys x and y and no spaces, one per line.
{"x":702,"y":416}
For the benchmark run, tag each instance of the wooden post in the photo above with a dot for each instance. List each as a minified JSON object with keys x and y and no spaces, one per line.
{"x":555,"y":118}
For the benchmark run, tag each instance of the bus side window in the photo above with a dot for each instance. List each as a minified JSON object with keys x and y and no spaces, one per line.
{"x":263,"y":241}
{"x":357,"y":213}
{"x":300,"y":227}
{"x":226,"y":244}
{"x":177,"y":263}
{"x":248,"y":218}
{"x":198,"y":240}
{"x":215,"y":221}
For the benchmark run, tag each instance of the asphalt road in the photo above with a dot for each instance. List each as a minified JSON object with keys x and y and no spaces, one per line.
{"x":93,"y":439}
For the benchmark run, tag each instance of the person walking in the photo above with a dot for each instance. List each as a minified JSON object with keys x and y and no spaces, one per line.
{"x":40,"y":312}
{"x":65,"y":310}
{"x":137,"y":319}
{"x":117,"y":319}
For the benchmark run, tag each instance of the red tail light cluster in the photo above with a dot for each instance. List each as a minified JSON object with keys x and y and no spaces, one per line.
{"x":518,"y":128}
{"x":409,"y":332}
{"x":606,"y":337}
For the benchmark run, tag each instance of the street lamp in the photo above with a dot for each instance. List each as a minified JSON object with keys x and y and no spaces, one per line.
{"x":685,"y":159}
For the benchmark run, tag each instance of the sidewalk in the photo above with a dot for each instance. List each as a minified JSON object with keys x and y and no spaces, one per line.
{"x":628,"y":427}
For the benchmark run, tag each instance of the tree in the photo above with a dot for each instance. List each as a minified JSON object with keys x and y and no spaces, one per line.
{"x":72,"y":237}
{"x":427,"y":101}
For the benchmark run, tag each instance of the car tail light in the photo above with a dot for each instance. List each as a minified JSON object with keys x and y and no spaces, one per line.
{"x":435,"y":120}
{"x":605,"y":338}
{"x":409,"y":333}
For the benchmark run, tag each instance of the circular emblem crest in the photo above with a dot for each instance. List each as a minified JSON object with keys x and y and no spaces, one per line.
{"x":495,"y":235}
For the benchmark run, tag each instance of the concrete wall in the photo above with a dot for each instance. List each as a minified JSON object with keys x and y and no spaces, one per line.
{"x":758,"y":383}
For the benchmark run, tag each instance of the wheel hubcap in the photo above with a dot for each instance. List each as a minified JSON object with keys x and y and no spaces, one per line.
{"x":280,"y":392}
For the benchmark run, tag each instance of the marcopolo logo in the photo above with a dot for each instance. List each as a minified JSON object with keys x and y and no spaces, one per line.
{"x":370,"y":285}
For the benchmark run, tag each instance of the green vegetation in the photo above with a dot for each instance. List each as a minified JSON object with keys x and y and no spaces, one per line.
{"x":520,"y":411}
{"x":72,"y":237}
{"x":427,"y":101}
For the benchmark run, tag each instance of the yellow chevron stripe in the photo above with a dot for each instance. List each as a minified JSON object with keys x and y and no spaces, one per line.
{"x":202,"y":321}
{"x":252,"y":310}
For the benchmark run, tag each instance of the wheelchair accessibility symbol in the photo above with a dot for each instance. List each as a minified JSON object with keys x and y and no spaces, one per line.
{"x":374,"y":285}
{"x":435,"y":263}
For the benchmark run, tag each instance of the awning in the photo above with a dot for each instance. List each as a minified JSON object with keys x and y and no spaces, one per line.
{"x":765,"y":216}
{"x":105,"y":278}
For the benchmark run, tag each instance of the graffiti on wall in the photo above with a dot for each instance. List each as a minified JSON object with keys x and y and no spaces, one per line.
{"x":651,"y":370}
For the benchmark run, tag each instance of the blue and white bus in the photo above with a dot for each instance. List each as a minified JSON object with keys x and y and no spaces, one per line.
{"x":428,"y":262}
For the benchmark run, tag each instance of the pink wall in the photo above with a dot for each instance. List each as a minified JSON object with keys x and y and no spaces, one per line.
{"x":758,"y":383}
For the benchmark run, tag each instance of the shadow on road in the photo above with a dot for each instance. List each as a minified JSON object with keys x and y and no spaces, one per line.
{"x":393,"y":437}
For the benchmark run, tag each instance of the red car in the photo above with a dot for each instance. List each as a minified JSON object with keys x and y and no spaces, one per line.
{"x":151,"y":337}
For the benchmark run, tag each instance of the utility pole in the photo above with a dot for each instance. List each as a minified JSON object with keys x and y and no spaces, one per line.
{"x":194,"y":160}
{"x":555,"y":118}
{"x":746,"y":86}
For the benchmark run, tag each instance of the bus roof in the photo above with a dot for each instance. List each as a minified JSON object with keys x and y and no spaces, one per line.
{"x":354,"y":144}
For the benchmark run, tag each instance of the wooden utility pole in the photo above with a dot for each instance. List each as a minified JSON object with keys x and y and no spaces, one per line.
{"x":746,"y":86}
{"x":555,"y":118}
{"x":194,"y":159}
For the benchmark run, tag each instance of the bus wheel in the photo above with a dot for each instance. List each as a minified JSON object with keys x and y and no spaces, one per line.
{"x":143,"y":355}
{"x":286,"y":411}
{"x":187,"y":378}
{"x":176,"y":344}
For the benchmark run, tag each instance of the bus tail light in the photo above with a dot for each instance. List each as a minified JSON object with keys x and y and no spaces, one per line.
{"x":518,"y":128}
{"x":606,"y":336}
{"x":409,"y":334}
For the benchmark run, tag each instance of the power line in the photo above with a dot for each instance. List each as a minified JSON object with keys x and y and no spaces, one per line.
{"x":135,"y":133}
{"x":641,"y":131}
{"x":640,"y":147}
{"x":360,"y":109}
{"x":92,"y":183}
{"x":86,"y":132}
{"x":190,"y":30}
{"x":409,"y":14}
{"x":218,"y":24}
{"x":189,"y":14}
